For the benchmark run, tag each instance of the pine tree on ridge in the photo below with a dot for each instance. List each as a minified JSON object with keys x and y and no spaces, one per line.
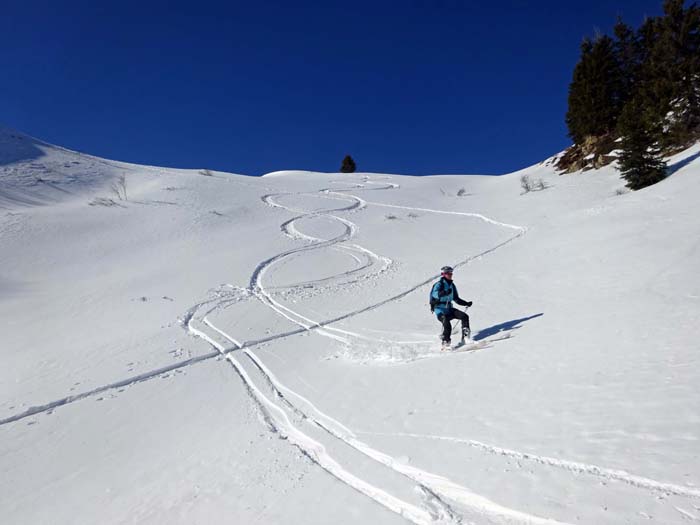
{"x":348,"y":165}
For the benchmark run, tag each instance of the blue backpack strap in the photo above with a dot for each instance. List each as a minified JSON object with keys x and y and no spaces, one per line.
{"x":444,"y":291}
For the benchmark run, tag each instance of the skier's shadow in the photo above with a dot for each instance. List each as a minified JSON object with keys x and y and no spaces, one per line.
{"x":508,"y":325}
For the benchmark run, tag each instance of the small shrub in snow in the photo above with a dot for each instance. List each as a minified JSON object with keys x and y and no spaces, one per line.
{"x":390,"y":217}
{"x":102,"y":201}
{"x":462,"y":192}
{"x":119,"y":188}
{"x":621,"y":191}
{"x":528,"y":185}
{"x":413,"y":215}
{"x":206,"y":173}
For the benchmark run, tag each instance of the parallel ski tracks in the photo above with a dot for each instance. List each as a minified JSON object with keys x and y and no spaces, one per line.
{"x":439,"y":495}
{"x":576,"y":467}
{"x":443,"y":500}
{"x":439,"y":500}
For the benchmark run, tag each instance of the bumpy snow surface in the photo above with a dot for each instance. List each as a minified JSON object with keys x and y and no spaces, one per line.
{"x":218,"y":348}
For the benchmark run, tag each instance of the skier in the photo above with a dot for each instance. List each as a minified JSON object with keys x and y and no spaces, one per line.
{"x":441,"y":296}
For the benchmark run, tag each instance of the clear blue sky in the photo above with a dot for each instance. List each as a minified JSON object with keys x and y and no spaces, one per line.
{"x":413,"y":87}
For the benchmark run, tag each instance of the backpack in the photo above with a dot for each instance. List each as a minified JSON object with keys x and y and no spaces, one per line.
{"x":434,"y":302}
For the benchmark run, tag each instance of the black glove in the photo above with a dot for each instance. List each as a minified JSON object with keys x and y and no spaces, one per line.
{"x":469,"y":303}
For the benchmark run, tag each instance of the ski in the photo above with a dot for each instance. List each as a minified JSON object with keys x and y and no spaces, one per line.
{"x":469,"y":346}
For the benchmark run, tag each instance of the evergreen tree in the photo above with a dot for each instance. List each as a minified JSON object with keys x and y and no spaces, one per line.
{"x":594,"y":102}
{"x":629,"y":55}
{"x":652,"y":76}
{"x":348,"y":165}
{"x":684,"y":26}
{"x":641,"y":162}
{"x":672,"y":72}
{"x":575,"y":115}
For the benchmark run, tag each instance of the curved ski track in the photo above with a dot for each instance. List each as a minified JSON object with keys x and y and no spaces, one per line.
{"x":443,"y":501}
{"x":436,"y":496}
{"x":436,"y":499}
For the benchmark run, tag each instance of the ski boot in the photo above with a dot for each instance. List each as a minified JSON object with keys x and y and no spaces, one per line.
{"x":446,"y":345}
{"x":466,"y":335}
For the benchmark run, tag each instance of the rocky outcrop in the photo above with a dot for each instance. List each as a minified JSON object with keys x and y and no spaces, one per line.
{"x":593,"y":153}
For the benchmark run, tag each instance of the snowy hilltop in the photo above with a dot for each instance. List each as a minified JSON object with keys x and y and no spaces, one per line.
{"x":33,"y":172}
{"x":186,"y":346}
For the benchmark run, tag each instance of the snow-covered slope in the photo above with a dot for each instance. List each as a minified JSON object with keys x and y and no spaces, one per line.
{"x":227,"y":349}
{"x":33,"y":172}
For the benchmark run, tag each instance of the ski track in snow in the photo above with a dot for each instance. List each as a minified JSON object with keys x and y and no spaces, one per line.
{"x":571,"y":466}
{"x":303,"y":323}
{"x":289,"y":229}
{"x":34,"y":410}
{"x":435,"y":491}
{"x":436,"y":488}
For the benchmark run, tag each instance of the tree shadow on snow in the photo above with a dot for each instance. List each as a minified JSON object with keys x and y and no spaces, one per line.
{"x":508,"y":325}
{"x":673,"y":168}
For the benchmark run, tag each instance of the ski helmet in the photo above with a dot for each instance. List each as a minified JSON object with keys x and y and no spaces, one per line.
{"x":446,"y":269}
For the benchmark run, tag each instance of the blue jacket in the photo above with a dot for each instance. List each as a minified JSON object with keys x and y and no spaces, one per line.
{"x":442,"y":295}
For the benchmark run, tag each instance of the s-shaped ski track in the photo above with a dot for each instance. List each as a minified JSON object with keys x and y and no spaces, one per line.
{"x":435,"y":490}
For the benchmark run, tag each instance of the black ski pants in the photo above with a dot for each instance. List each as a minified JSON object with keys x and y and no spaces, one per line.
{"x":446,"y":319}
